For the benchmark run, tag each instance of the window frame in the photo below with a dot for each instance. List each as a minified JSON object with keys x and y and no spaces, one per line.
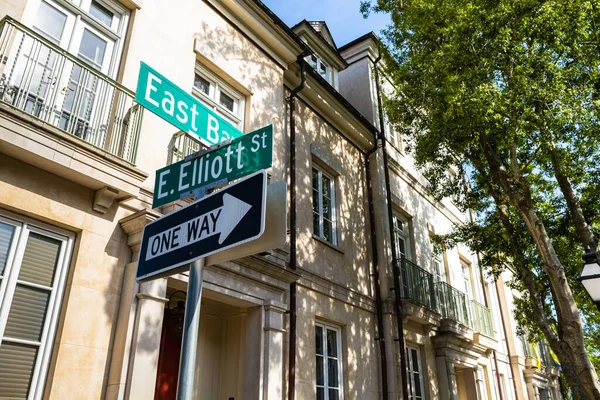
{"x":411,"y":372}
{"x":467,"y":279}
{"x":326,"y":387}
{"x":321,"y":234}
{"x":80,"y":14}
{"x":319,"y":63}
{"x":212,"y":100}
{"x":23,"y":227}
{"x":405,"y":234}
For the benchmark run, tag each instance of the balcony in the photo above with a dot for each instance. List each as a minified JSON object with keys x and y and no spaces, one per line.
{"x":53,"y":86}
{"x":453,"y":304}
{"x":182,"y":145}
{"x":59,"y":114}
{"x":482,"y":319}
{"x":417,"y":285}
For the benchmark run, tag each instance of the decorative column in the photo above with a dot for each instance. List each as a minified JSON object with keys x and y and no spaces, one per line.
{"x":273,"y":350}
{"x":446,"y":379}
{"x":134,"y":360}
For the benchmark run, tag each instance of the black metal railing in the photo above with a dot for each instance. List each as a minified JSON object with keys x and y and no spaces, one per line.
{"x":43,"y":80}
{"x":417,"y":284}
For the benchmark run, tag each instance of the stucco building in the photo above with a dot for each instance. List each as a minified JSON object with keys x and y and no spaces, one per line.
{"x":327,"y":315}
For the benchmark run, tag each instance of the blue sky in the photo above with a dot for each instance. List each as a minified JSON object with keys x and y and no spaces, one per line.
{"x":343,"y":18}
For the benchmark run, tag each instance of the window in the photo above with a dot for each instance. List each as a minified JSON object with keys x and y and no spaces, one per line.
{"x":92,"y":30}
{"x":401,"y":235}
{"x":321,"y":67}
{"x":329,"y":365}
{"x":415,"y":373}
{"x":33,"y":268}
{"x":218,"y":96}
{"x":466,"y":278}
{"x":323,"y":205}
{"x":438,"y":265}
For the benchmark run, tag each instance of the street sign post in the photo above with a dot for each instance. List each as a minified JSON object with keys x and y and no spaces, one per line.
{"x":229,"y":161}
{"x":179,"y":108}
{"x":224,"y":219}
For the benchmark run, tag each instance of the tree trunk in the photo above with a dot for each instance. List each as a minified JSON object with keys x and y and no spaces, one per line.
{"x":570,"y":347}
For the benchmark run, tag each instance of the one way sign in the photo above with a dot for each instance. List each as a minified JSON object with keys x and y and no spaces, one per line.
{"x":224,"y":219}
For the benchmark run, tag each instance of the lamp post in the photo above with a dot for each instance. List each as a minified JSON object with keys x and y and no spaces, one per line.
{"x":590,"y":276}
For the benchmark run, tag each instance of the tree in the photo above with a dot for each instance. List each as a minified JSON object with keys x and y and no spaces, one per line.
{"x":508,"y":92}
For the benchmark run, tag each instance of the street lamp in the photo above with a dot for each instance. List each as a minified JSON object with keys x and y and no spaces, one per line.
{"x":590,"y":276}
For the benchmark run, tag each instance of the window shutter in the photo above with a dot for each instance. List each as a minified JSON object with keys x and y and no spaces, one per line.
{"x":6,"y":234}
{"x":16,"y":368}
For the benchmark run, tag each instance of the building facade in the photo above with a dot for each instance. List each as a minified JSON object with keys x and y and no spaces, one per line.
{"x":357,"y":304}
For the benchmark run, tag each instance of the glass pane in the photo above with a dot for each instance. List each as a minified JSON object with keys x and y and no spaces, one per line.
{"x":332,"y":372}
{"x":313,"y":61}
{"x":50,"y":21}
{"x":315,"y":201}
{"x":202,"y":84}
{"x":27,"y":313}
{"x":320,"y":372}
{"x":417,"y":384}
{"x":323,"y":70}
{"x":16,"y":367}
{"x":39,"y":260}
{"x":401,"y":246}
{"x":320,"y":393}
{"x":326,"y":208}
{"x":334,"y":394}
{"x":316,"y":228}
{"x":319,"y":339}
{"x":92,"y":48}
{"x":226,"y":101}
{"x":326,"y":187}
{"x":315,"y":179}
{"x":327,"y":232}
{"x":331,"y":343}
{"x":102,"y":13}
{"x":6,"y":234}
{"x":415,"y":360}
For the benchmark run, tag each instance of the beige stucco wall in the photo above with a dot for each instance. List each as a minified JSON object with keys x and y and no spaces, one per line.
{"x":347,"y":263}
{"x":84,"y":336}
{"x":360,"y":353}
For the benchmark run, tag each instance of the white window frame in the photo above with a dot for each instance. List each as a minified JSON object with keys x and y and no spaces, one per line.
{"x":411,"y":372}
{"x":339,"y":358}
{"x":318,"y":63}
{"x":321,"y":233}
{"x":211,"y":100}
{"x":438,"y":267}
{"x":23,"y":227}
{"x":465,"y":272}
{"x":79,"y":9}
{"x":402,"y":231}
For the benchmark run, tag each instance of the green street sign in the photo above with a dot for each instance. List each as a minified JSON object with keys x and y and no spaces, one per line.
{"x":179,"y":108}
{"x":243,"y":156}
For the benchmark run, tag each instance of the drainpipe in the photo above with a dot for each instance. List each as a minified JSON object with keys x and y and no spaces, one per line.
{"x":397,"y":302}
{"x":375,"y":272}
{"x":293,"y":258}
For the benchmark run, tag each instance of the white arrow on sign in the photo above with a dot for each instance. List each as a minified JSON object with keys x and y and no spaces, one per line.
{"x":221,"y":220}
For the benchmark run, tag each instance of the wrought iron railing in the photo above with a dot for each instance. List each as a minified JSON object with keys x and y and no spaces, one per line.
{"x":182,"y":145}
{"x":45,"y":81}
{"x":453,"y":304}
{"x":417,"y":284}
{"x":482,"y":319}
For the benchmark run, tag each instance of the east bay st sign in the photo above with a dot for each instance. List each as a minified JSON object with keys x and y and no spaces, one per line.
{"x":240,"y":157}
{"x":173,"y":104}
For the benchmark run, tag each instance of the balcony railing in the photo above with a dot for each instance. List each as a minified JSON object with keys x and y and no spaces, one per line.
{"x":453,"y":304}
{"x":482,"y":319}
{"x":417,"y":284}
{"x":45,"y":81}
{"x":182,"y":145}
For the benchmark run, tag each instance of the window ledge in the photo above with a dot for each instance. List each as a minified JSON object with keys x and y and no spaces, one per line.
{"x":326,"y":243}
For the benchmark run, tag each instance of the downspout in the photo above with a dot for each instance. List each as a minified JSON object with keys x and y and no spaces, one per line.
{"x":397,"y":302}
{"x":375,"y":273}
{"x":293,"y":258}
